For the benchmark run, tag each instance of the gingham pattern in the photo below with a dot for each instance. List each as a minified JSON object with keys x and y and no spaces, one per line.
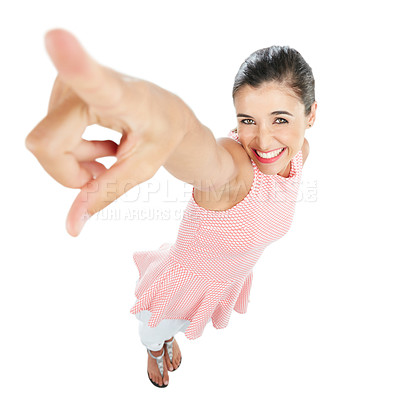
{"x":207,"y":272}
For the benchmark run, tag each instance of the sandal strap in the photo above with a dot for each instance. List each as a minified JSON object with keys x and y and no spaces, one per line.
{"x":160,"y":362}
{"x":169,"y":348}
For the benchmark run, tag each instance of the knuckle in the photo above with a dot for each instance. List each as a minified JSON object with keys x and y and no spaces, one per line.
{"x":41,"y":145}
{"x":35,"y":144}
{"x":31,"y":143}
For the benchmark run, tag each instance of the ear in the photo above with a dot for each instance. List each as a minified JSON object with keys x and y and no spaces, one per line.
{"x":313,"y":113}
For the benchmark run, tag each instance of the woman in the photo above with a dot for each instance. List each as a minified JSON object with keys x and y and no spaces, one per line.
{"x":244,"y":186}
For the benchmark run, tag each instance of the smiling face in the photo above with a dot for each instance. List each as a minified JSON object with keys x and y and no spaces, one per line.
{"x":271,"y":125}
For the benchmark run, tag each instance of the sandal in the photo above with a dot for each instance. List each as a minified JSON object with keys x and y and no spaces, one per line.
{"x":170,"y":353}
{"x":160,"y":364}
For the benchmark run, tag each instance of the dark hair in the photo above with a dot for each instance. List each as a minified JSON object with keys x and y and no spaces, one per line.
{"x":280,"y":64}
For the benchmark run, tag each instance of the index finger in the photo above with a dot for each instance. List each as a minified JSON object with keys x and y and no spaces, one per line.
{"x":97,"y":85}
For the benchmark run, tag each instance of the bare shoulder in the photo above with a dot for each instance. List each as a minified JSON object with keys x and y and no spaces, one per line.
{"x":305,"y":150}
{"x":237,"y":188}
{"x":240,"y":157}
{"x":237,"y":152}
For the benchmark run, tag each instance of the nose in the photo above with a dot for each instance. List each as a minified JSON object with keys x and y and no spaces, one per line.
{"x":265,"y":138}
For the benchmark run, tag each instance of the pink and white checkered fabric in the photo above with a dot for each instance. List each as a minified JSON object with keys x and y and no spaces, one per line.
{"x":207,"y":272}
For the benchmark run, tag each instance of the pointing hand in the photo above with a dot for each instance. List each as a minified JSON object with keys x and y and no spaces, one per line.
{"x":87,"y":93}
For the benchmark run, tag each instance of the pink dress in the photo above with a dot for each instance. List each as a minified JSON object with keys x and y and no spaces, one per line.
{"x":207,"y":272}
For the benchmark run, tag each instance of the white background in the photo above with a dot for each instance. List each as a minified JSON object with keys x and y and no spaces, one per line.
{"x":323,"y":321}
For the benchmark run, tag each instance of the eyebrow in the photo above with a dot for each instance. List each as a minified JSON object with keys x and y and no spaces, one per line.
{"x":273,"y":113}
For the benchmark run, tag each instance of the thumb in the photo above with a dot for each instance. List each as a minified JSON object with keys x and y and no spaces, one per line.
{"x":109,"y":186}
{"x":96,"y":85}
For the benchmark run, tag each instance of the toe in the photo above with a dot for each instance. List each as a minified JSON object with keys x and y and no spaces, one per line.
{"x":166,"y":377}
{"x":155,"y":378}
{"x":168,"y":361}
{"x":177,"y":361}
{"x":155,"y":374}
{"x":159,"y":380}
{"x":168,"y":364}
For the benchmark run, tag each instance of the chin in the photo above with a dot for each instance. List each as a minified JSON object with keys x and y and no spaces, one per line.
{"x":269,"y":171}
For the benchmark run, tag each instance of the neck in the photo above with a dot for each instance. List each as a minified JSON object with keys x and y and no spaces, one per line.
{"x":285,"y":172}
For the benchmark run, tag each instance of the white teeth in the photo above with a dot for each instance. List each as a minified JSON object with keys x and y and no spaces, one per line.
{"x":270,"y":154}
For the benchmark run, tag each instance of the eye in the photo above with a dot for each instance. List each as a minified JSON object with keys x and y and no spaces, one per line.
{"x":283,"y":121}
{"x":247,"y":123}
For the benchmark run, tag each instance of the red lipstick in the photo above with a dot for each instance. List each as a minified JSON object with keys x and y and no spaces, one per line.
{"x":269,"y":160}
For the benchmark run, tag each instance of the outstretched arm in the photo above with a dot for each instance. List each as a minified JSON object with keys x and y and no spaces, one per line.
{"x":157,"y":129}
{"x":191,"y":152}
{"x":200,"y":160}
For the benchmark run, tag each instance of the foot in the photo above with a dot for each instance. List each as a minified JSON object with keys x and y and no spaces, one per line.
{"x":154,"y":372}
{"x":176,"y":356}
